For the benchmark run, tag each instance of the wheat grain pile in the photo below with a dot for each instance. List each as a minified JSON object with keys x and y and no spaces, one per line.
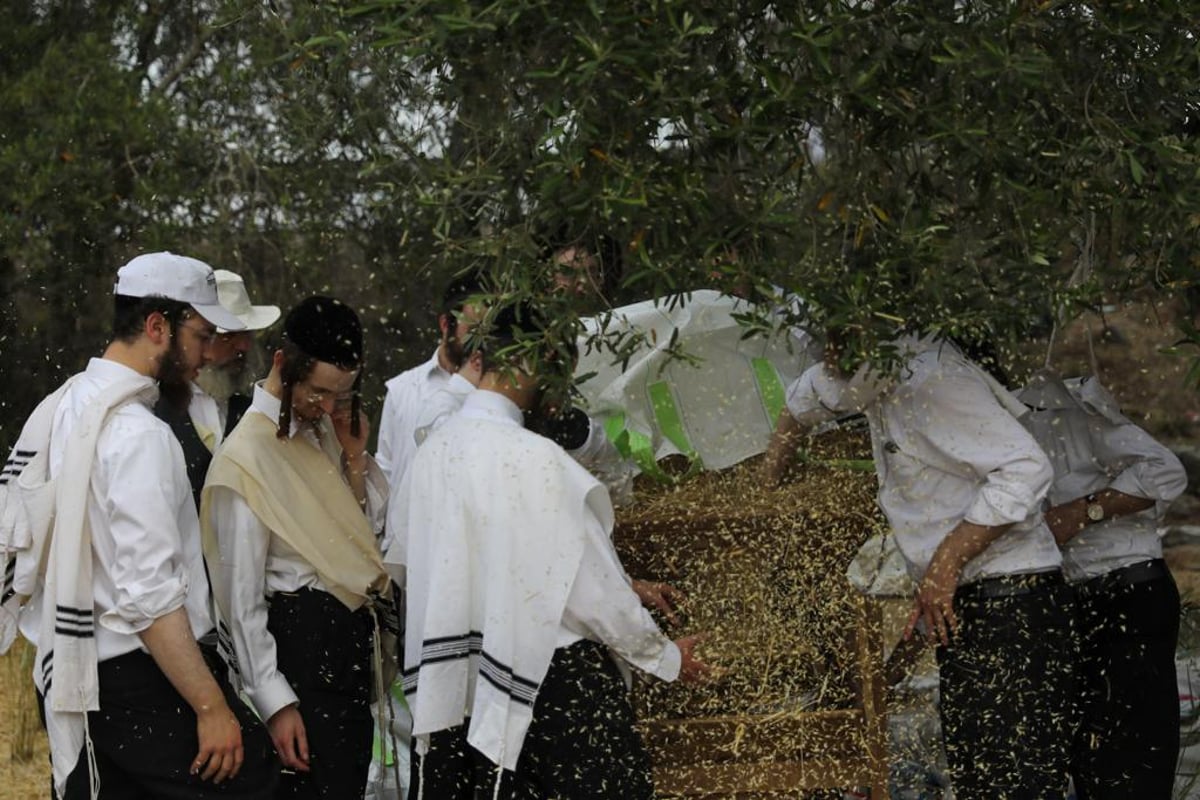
{"x":764,"y":572}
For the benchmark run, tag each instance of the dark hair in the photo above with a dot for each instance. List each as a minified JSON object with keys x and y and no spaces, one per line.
{"x":985,"y":352}
{"x":129,"y":314}
{"x":520,"y":323}
{"x":296,"y":367}
{"x":462,"y":288}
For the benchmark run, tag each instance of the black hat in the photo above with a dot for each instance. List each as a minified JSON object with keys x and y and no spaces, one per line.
{"x":326,"y":329}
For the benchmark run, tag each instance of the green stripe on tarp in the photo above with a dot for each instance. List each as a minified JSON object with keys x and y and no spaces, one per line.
{"x":614,"y":429}
{"x":770,"y":388}
{"x":377,"y":753}
{"x":635,"y":446}
{"x":377,"y":746}
{"x":666,"y":414}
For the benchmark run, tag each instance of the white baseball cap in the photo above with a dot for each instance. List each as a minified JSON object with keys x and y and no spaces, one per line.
{"x":186,"y":280}
{"x":231,"y":291}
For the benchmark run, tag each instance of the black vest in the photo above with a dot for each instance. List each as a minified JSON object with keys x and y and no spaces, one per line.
{"x":195,"y":454}
{"x":239,"y":404}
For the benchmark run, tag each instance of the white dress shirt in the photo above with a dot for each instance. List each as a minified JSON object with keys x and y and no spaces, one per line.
{"x":146,"y":556}
{"x":947,"y":446}
{"x":407,"y":395}
{"x":440,"y":406}
{"x":1093,"y":447}
{"x":259,"y":564}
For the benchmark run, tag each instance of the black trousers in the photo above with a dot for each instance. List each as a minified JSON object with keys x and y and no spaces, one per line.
{"x":1128,"y":741}
{"x":581,"y":744}
{"x":145,"y":739}
{"x":324,"y":650}
{"x":1008,"y":692}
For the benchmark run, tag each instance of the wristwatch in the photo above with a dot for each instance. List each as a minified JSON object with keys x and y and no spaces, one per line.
{"x":1095,"y":511}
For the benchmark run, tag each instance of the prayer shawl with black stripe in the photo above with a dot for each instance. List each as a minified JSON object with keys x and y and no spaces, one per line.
{"x":491,"y":540}
{"x":26,"y":514}
{"x":45,"y":538}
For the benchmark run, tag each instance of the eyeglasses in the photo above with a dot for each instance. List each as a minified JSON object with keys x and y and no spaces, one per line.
{"x":205,"y":335}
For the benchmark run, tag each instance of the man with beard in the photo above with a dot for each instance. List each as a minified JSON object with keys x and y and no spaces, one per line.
{"x":203,"y":410}
{"x":409,"y":392}
{"x":290,"y":512}
{"x":130,"y":700}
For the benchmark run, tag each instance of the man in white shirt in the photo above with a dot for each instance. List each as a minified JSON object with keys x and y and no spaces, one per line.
{"x":168,"y":724}
{"x":290,"y":513}
{"x":198,"y":418}
{"x":517,"y":604}
{"x":1112,"y":485}
{"x":409,"y":392}
{"x":961,"y":483}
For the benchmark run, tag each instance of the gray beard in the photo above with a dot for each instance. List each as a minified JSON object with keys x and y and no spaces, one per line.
{"x":220,"y":383}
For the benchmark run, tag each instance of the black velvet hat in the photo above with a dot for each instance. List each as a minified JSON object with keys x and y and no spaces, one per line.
{"x":326,"y":329}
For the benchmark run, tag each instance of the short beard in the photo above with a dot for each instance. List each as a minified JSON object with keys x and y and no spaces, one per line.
{"x":455,"y":352}
{"x":172,"y":384}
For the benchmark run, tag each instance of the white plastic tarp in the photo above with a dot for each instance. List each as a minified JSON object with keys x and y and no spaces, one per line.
{"x":718,"y":406}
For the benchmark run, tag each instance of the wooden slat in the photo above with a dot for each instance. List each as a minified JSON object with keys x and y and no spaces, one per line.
{"x":772,"y":776}
{"x":739,"y":739}
{"x":783,"y":752}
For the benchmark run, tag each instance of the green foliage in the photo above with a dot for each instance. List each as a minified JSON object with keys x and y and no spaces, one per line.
{"x":206,"y":128}
{"x":945,"y":166}
{"x":967,"y":167}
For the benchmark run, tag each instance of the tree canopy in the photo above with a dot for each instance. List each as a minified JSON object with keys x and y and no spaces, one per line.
{"x":966,"y":167}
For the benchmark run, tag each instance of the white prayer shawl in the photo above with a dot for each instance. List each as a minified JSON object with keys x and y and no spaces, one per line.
{"x":26,"y":514}
{"x":492,"y":540}
{"x":50,"y":541}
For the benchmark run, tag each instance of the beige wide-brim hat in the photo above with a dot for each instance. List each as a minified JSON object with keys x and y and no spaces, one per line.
{"x":231,"y":291}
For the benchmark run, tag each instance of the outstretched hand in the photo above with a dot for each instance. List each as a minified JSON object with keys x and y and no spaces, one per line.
{"x":691,"y":668}
{"x":934,"y":603}
{"x":661,"y":596}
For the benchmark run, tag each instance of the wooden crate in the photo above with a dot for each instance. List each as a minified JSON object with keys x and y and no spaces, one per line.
{"x":788,"y":745}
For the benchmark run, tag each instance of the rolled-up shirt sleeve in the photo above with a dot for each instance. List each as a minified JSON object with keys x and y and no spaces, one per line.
{"x":819,"y":394}
{"x":1150,"y":470}
{"x":803,"y":399}
{"x":243,"y":542}
{"x":141,"y":545}
{"x":603,"y":607}
{"x":966,"y":425}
